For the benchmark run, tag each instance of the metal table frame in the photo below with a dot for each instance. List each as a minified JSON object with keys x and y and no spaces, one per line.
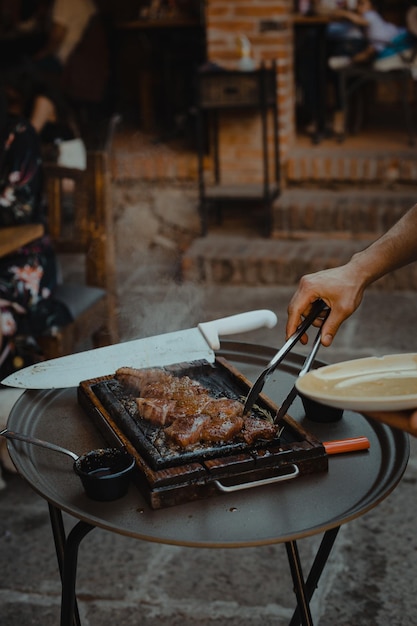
{"x":67,"y":548}
{"x":38,"y":410}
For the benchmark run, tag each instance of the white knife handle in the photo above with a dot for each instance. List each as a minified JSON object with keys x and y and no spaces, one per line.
{"x":240,"y":323}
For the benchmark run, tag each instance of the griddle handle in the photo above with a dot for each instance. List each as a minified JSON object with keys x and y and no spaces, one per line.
{"x":259,"y":483}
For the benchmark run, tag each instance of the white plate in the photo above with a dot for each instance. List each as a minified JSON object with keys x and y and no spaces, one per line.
{"x":387,"y":383}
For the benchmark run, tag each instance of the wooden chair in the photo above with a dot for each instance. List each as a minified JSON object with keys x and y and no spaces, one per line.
{"x":80,"y":225}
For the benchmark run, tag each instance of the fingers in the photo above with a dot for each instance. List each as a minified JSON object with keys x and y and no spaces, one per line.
{"x":403,"y":420}
{"x":298,"y":308}
{"x":296,"y":314}
{"x":341,"y":296}
{"x":330,"y":327}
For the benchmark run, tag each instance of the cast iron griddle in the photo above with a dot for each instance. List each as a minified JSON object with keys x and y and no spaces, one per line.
{"x":170,"y":474}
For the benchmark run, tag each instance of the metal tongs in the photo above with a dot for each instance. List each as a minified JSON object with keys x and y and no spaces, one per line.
{"x":317,"y":307}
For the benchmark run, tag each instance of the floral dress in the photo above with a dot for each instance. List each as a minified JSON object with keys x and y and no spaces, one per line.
{"x":28,"y":275}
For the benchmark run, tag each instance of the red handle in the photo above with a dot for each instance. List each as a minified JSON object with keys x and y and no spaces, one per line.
{"x":346,"y":445}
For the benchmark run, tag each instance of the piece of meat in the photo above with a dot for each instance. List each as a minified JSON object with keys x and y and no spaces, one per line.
{"x":187,"y":430}
{"x":223,"y":407}
{"x":135,"y":379}
{"x":220,"y":421}
{"x":177,"y":388}
{"x":185,"y":410}
{"x":256,"y":428}
{"x":158,"y":411}
{"x":191,"y":405}
{"x":222,"y":428}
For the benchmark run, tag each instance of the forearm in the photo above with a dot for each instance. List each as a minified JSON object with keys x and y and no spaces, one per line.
{"x":395,"y":249}
{"x":351,"y":16}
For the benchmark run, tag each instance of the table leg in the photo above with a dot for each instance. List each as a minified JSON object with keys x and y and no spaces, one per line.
{"x":67,"y":555}
{"x":58,"y":531}
{"x":308,"y":589}
{"x":299,"y":584}
{"x":69,"y":573}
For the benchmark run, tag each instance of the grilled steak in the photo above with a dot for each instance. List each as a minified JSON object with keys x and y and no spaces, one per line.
{"x":135,"y":379}
{"x":157,"y":383}
{"x":186,"y":430}
{"x":158,"y":411}
{"x":222,"y":428}
{"x":186,"y":412}
{"x":256,"y":428}
{"x":223,"y":407}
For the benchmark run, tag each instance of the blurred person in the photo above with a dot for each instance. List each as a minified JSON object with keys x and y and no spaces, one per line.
{"x":342,"y":289}
{"x":43,"y":105}
{"x":379,"y":33}
{"x":69,"y":69}
{"x":383,"y":40}
{"x":342,"y":38}
{"x":28,"y":275}
{"x":69,"y":20}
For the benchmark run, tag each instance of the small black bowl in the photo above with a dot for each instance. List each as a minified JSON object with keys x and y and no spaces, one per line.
{"x":105,"y":473}
{"x":317,"y":412}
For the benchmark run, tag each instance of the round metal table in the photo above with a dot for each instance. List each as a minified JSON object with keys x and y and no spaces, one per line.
{"x":281,"y":513}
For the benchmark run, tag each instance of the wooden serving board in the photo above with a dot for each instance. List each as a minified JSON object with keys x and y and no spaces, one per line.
{"x":194,"y":475}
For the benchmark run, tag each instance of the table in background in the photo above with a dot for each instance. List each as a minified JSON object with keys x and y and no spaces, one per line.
{"x":14,"y":237}
{"x":311,"y":504}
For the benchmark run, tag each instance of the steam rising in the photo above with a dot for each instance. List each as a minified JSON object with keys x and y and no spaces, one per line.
{"x":159,"y":304}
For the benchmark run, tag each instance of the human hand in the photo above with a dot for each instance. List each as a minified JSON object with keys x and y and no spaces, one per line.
{"x":403,"y":420}
{"x":340,"y":290}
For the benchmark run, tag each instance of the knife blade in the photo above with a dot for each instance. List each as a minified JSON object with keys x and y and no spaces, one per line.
{"x":166,"y":349}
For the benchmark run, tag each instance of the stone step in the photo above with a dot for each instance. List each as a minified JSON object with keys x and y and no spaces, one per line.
{"x":344,"y":213}
{"x":332,"y":165}
{"x":240,"y":260}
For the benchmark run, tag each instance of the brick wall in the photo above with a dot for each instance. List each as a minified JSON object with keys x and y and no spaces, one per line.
{"x":267,"y":25}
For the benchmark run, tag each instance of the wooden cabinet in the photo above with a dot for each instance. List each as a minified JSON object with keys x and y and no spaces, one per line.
{"x":218,"y":91}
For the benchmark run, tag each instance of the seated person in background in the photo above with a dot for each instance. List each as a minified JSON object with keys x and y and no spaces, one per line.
{"x":28,"y":275}
{"x":380,"y":37}
{"x":68,"y":22}
{"x":378,"y":33}
{"x":343,"y":38}
{"x":63,"y":63}
{"x":70,"y":68}
{"x":43,"y":105}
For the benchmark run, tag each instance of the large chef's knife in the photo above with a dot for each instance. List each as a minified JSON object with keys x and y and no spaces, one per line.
{"x":178,"y":347}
